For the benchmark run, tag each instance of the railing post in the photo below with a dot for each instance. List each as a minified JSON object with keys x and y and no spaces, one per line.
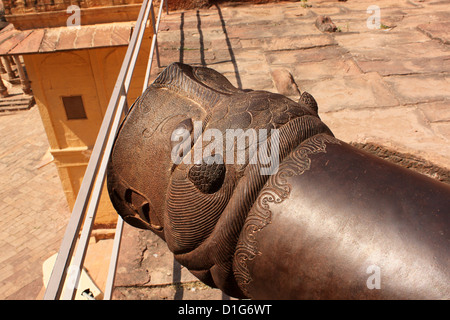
{"x":26,"y":87}
{"x":152,"y":48}
{"x":91,"y":187}
{"x":125,"y":106}
{"x":59,"y":273}
{"x":114,"y":258}
{"x":119,"y":228}
{"x":155,"y":34}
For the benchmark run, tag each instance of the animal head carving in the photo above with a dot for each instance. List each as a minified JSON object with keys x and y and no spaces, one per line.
{"x":191,"y":156}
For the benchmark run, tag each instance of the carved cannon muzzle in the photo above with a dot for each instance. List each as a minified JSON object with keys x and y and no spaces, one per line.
{"x":254,"y":195}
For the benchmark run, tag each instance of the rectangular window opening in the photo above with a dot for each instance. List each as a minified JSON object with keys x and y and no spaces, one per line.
{"x":74,"y":107}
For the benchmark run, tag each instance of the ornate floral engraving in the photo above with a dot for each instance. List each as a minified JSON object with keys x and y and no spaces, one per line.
{"x":276,"y":190}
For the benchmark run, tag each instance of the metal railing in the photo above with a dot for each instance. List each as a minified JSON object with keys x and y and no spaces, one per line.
{"x":86,"y":204}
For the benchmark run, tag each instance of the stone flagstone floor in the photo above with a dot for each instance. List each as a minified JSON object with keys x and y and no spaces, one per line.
{"x":33,"y":208}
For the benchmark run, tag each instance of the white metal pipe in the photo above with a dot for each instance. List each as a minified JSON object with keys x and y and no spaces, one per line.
{"x":152,"y":48}
{"x":113,"y":263}
{"x":58,"y":276}
{"x":138,"y":45}
{"x":119,"y":228}
{"x":80,"y":254}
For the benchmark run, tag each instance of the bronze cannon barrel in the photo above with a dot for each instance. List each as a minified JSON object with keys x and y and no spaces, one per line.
{"x":338,"y":223}
{"x":255,"y":196}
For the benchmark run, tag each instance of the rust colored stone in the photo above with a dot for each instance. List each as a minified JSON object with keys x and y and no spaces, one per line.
{"x":67,"y":39}
{"x":120,"y":35}
{"x":30,"y":44}
{"x":102,"y":36}
{"x":84,"y":38}
{"x":13,"y":41}
{"x":50,"y":40}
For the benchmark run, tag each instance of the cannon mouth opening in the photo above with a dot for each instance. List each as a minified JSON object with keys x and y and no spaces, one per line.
{"x":131,"y":205}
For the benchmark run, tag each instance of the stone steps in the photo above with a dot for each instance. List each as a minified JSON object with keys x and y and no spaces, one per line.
{"x":16,"y":103}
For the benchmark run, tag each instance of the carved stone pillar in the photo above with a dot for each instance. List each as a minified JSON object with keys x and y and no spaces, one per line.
{"x":26,"y":88}
{"x":2,"y":68}
{"x":8,"y":5}
{"x":3,"y":90}
{"x":9,"y":70}
{"x":20,"y":6}
{"x":60,"y":5}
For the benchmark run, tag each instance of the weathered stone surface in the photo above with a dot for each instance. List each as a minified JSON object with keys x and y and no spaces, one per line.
{"x":412,"y":89}
{"x":146,"y":270}
{"x":33,"y":207}
{"x":145,"y":261}
{"x":402,"y":52}
{"x":350,"y":92}
{"x":437,"y":30}
{"x":404,"y":67}
{"x":288,"y":43}
{"x":402,"y":128}
{"x":270,"y":29}
{"x":325,"y":69}
{"x":191,"y":291}
{"x":306,"y":55}
{"x":379,"y":39}
{"x":438,"y":111}
{"x":434,"y":13}
{"x":326,"y":10}
{"x":255,"y":82}
{"x":442,"y":129}
{"x":406,"y":160}
{"x":362,"y":5}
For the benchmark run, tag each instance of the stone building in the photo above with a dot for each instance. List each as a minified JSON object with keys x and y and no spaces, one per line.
{"x":72,"y":70}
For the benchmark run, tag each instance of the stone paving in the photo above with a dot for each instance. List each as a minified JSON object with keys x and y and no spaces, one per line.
{"x":33,"y":207}
{"x":387,"y":86}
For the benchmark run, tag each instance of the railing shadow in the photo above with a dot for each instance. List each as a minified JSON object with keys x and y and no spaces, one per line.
{"x":176,"y":280}
{"x":202,"y":49}
{"x":230,"y":48}
{"x":181,"y":57}
{"x":202,"y":45}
